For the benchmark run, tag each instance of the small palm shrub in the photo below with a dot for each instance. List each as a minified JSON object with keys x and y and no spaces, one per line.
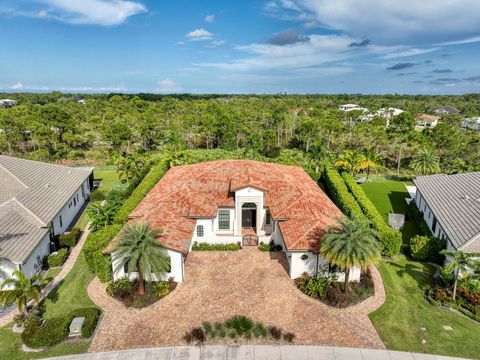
{"x":241,"y":324}
{"x":259,"y":330}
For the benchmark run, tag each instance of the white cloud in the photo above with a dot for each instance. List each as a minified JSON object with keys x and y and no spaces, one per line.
{"x":407,"y":21}
{"x":199,"y":35}
{"x":119,"y":88}
{"x":463,"y":41}
{"x":168,"y":86}
{"x":209,"y":18}
{"x":43,"y":14}
{"x":17,"y":86}
{"x":93,"y":12}
{"x":215,"y":44}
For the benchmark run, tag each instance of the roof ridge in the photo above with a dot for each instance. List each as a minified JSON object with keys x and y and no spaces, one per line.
{"x":30,"y":212}
{"x":13,"y":175}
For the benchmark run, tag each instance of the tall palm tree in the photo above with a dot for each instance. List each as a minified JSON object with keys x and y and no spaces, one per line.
{"x":318,"y":156}
{"x":24,"y":289}
{"x":351,"y":243}
{"x":350,"y":161}
{"x":141,"y":251}
{"x":460,"y":263}
{"x":426,"y":162}
{"x":371,"y":160}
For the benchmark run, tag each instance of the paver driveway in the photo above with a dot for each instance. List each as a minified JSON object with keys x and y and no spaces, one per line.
{"x":222,"y":284}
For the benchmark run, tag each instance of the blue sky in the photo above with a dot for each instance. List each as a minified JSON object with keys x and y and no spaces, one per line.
{"x":258,"y":46}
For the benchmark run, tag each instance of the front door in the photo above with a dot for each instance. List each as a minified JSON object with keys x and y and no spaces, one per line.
{"x":249,"y":218}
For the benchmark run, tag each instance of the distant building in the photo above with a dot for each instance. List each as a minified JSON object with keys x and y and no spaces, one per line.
{"x":446,"y":110}
{"x":352,"y":107}
{"x":388,"y":113}
{"x":427,"y":121}
{"x":82,"y":101}
{"x":7,"y":103}
{"x":472,"y":123}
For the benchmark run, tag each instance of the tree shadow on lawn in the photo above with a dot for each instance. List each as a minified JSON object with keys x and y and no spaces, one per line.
{"x":421,"y":274}
{"x":53,"y":295}
{"x":397,"y":200}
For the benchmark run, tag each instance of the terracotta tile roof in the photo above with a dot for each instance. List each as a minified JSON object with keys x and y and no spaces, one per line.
{"x":191,"y":191}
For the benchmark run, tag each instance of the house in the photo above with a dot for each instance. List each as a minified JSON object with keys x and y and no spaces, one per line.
{"x":472,"y":123}
{"x":7,"y":103}
{"x":238,"y":201}
{"x":388,"y":113}
{"x":446,"y":110}
{"x":352,"y":107}
{"x":450,"y":205}
{"x":37,"y":201}
{"x":427,"y":121}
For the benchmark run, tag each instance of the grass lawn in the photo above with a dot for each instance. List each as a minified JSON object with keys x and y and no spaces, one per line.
{"x":52,"y":272}
{"x":389,"y":196}
{"x":405,"y":312}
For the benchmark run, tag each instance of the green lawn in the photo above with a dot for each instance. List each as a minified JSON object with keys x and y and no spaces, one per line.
{"x":51,"y":273}
{"x":108,"y":175}
{"x":389,"y":196}
{"x":405,"y":312}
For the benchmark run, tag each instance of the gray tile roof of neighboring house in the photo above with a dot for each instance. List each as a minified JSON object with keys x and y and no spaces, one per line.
{"x":32,"y":193}
{"x":455,"y":202}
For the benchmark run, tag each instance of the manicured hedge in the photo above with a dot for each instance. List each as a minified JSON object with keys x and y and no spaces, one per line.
{"x":391,"y":239}
{"x":140,"y":192}
{"x":215,"y":247}
{"x":70,"y":239}
{"x":57,"y":258}
{"x":341,"y":196}
{"x":98,"y":262}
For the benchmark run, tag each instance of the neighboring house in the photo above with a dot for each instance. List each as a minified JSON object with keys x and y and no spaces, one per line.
{"x":451,"y":208}
{"x":37,"y":201}
{"x":82,"y":101}
{"x":388,"y":113}
{"x":427,"y":121}
{"x":472,"y":123}
{"x":352,"y":107}
{"x":446,"y":110}
{"x":7,"y":103}
{"x":238,"y":201}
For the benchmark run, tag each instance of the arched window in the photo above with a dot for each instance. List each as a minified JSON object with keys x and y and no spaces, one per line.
{"x":252,"y":206}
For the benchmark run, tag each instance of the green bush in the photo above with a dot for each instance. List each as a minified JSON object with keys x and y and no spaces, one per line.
{"x":215,"y":247}
{"x":70,"y":239}
{"x":314,"y":286}
{"x":98,"y":262}
{"x":91,"y":319}
{"x":241,"y":324}
{"x":121,"y":288}
{"x":52,"y":332}
{"x":57,"y":258}
{"x":391,"y":239}
{"x":341,"y":196}
{"x":270,"y":247}
{"x":427,"y":248}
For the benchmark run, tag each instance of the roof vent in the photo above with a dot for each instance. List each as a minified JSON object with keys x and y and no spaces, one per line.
{"x":47,"y":186}
{"x":466,"y":197}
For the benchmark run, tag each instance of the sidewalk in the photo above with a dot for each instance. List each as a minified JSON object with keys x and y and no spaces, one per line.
{"x":72,"y":258}
{"x":255,"y":352}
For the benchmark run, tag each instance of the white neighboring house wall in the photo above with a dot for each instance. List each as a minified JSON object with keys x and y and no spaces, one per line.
{"x":471,"y":123}
{"x":430,"y":219}
{"x":177,"y":270}
{"x":64,"y":218}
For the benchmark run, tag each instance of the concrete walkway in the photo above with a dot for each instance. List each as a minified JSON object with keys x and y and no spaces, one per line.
{"x":67,"y":266}
{"x":255,"y":352}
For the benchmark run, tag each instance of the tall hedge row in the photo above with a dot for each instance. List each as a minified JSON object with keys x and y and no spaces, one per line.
{"x":391,"y":239}
{"x":100,"y":263}
{"x":341,"y":196}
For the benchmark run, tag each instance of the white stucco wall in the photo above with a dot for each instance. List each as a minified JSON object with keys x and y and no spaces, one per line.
{"x":68,"y":213}
{"x":429,"y":217}
{"x":34,"y":261}
{"x":177,"y":268}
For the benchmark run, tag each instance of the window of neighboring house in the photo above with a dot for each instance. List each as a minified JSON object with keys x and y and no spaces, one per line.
{"x":223,"y":219}
{"x":74,"y":202}
{"x":434,"y":225}
{"x":69,"y":204}
{"x":268,"y":218}
{"x":61,"y":221}
{"x":77,"y":197}
{"x":200,"y":231}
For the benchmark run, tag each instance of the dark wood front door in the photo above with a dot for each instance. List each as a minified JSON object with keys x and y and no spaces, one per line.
{"x":249,"y":218}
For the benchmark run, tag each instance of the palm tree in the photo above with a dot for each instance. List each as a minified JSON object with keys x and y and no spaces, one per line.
{"x":318,"y":156}
{"x":127,"y":167}
{"x":460,"y":263}
{"x":23,"y":290}
{"x":371,"y":160}
{"x":350,"y":243}
{"x":102,"y":214}
{"x":350,"y":161}
{"x":426,"y":162}
{"x":141,"y":251}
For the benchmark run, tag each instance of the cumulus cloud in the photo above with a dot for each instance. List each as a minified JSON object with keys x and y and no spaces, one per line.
{"x":92,"y":12}
{"x":17,"y":86}
{"x":401,"y":66}
{"x":168,"y":86}
{"x":289,"y":36}
{"x":209,"y":18}
{"x":199,"y":35}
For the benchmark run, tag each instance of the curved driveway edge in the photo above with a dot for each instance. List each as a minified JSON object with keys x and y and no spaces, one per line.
{"x":255,"y":352}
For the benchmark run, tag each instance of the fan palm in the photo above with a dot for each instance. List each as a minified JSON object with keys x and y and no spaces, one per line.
{"x":426,"y":162}
{"x":460,"y":264}
{"x":140,"y":250}
{"x":23,"y":290}
{"x":351,"y":243}
{"x":350,"y":161}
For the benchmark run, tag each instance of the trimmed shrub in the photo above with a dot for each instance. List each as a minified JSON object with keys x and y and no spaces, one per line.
{"x":57,"y":258}
{"x":391,"y":239}
{"x":427,"y":248}
{"x":52,"y":332}
{"x":241,"y":324}
{"x":70,"y":239}
{"x":121,"y":288}
{"x":314,"y":286}
{"x":270,"y":247}
{"x":341,"y":196}
{"x":91,"y":319}
{"x":215,"y":247}
{"x":98,"y":262}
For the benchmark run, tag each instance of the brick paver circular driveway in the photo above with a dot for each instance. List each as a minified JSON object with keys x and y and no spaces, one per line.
{"x":222,"y":284}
